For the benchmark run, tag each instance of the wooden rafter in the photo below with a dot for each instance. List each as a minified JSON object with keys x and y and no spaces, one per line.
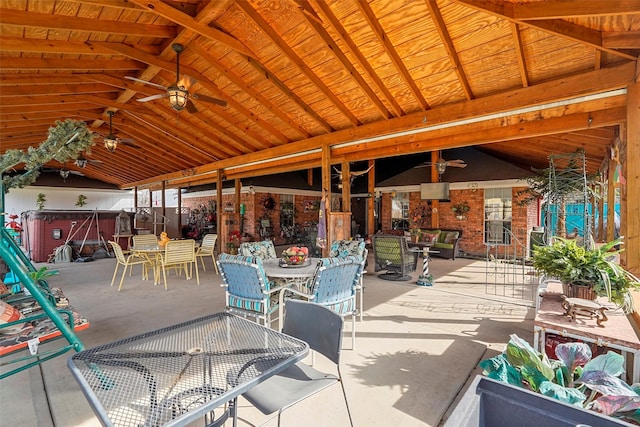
{"x":522,"y":62}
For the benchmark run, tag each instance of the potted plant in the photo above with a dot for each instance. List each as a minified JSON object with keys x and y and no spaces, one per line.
{"x":587,"y":272}
{"x":574,"y":378}
{"x":460,"y":209}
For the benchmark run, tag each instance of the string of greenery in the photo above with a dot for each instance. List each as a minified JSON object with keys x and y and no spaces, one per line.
{"x":65,"y":141}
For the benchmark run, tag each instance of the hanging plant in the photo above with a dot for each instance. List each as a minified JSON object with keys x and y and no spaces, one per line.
{"x":66,"y":140}
{"x":40,"y":201}
{"x":81,"y":200}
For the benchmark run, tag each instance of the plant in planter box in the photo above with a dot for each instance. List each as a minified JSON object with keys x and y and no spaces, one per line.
{"x":595,"y":268}
{"x":573,"y":378}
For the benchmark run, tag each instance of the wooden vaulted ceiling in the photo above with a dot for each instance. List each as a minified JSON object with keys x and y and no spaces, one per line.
{"x":300,"y":75}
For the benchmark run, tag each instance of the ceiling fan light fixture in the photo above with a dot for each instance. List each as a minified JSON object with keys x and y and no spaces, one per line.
{"x":441,"y":166}
{"x":178,"y":97}
{"x":64,"y":173}
{"x":110,"y":144}
{"x":81,"y":163}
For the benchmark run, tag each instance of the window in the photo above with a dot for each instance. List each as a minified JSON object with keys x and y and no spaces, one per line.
{"x":400,"y":211}
{"x":497,"y":216}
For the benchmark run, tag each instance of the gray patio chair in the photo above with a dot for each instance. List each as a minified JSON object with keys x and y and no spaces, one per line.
{"x":392,"y":254}
{"x":333,"y":286}
{"x":248,"y":291}
{"x":321,"y":328}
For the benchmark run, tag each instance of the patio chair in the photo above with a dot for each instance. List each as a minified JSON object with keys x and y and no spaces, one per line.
{"x":343,"y":248}
{"x":321,"y":328}
{"x":206,"y":249}
{"x":129,"y":262}
{"x":145,"y":240}
{"x":179,"y":254}
{"x":264,"y":249}
{"x":333,"y":286}
{"x":248,"y":291}
{"x":392,"y":254}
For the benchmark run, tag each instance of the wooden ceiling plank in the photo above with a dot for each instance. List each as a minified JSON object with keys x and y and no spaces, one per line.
{"x":559,"y":27}
{"x":228,"y":73}
{"x":54,"y":89}
{"x":377,"y":29}
{"x":332,"y":20}
{"x":564,"y":88}
{"x":192,"y":24}
{"x":73,"y":23}
{"x":522,"y":62}
{"x":621,"y":39}
{"x":17,"y":79}
{"x":295,"y":59}
{"x":282,"y":87}
{"x":342,"y":58}
{"x":441,"y":27}
{"x":36,"y":64}
{"x":573,"y":9}
{"x":121,"y":83}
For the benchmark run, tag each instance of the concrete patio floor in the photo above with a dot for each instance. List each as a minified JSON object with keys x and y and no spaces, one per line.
{"x":416,"y":350}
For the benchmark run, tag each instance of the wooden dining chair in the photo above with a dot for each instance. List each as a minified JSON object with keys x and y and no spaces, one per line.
{"x":179,"y":254}
{"x":128,"y":262}
{"x":206,"y":250}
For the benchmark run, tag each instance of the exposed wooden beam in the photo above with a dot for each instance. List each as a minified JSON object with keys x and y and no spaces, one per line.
{"x":441,"y":27}
{"x":573,"y":9}
{"x":332,"y":20}
{"x":631,"y":170}
{"x":295,"y":59}
{"x":12,"y":63}
{"x":342,"y":59}
{"x":522,"y":62}
{"x":369,"y":16}
{"x":192,"y":24}
{"x":621,"y":39}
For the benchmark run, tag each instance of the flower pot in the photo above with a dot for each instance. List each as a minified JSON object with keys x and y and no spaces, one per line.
{"x":571,"y":290}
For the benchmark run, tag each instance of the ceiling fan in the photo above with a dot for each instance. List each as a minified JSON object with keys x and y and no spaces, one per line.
{"x":179,"y":96}
{"x":442,"y":164}
{"x":82,"y":161}
{"x":111,"y":141}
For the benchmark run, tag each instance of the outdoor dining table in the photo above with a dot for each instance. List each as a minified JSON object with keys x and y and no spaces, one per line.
{"x":174,"y":375}
{"x":151,"y":252}
{"x":292,"y":275}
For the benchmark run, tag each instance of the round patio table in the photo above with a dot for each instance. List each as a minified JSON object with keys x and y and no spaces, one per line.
{"x":292,"y":276}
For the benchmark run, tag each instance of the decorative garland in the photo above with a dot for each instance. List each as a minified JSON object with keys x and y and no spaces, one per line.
{"x":65,"y":141}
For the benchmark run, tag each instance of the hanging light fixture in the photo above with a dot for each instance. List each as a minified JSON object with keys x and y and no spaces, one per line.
{"x":110,"y":141}
{"x":64,"y":173}
{"x":178,"y":97}
{"x":441,"y":166}
{"x":81,"y":162}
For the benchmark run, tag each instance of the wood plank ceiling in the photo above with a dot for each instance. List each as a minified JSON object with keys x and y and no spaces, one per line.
{"x":300,"y":75}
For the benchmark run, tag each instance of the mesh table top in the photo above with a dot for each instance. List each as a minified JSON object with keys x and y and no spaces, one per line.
{"x":176,"y":374}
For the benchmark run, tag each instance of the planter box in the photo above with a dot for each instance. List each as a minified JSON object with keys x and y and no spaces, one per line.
{"x":577,"y":291}
{"x":489,"y":403}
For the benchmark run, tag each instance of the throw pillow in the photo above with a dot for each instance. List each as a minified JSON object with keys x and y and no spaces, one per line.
{"x":429,"y":237}
{"x":451,"y":237}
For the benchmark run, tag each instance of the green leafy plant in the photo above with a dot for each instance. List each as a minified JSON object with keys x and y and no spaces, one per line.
{"x":40,"y":201}
{"x":82,"y":200}
{"x":573,"y":378}
{"x":571,"y":263}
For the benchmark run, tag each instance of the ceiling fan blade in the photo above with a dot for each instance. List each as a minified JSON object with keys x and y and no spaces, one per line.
{"x":145,"y":82}
{"x":457,"y":165}
{"x":191,"y":107}
{"x":210,"y":99}
{"x":128,"y":143}
{"x":152,"y":97}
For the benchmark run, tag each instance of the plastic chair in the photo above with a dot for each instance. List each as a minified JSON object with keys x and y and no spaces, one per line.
{"x":129,"y":262}
{"x":248,"y":291}
{"x":144,"y":240}
{"x":343,"y":248}
{"x":206,"y":250}
{"x":180,"y":254}
{"x":321,"y":328}
{"x":333,"y":286}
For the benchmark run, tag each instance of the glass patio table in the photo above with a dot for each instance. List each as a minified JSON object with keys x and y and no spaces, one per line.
{"x":175,"y":375}
{"x":290,"y":275}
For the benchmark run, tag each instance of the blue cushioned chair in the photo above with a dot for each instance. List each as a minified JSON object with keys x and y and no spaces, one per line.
{"x":333,"y":286}
{"x":344,"y":248}
{"x":248,"y":291}
{"x":263,"y":249}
